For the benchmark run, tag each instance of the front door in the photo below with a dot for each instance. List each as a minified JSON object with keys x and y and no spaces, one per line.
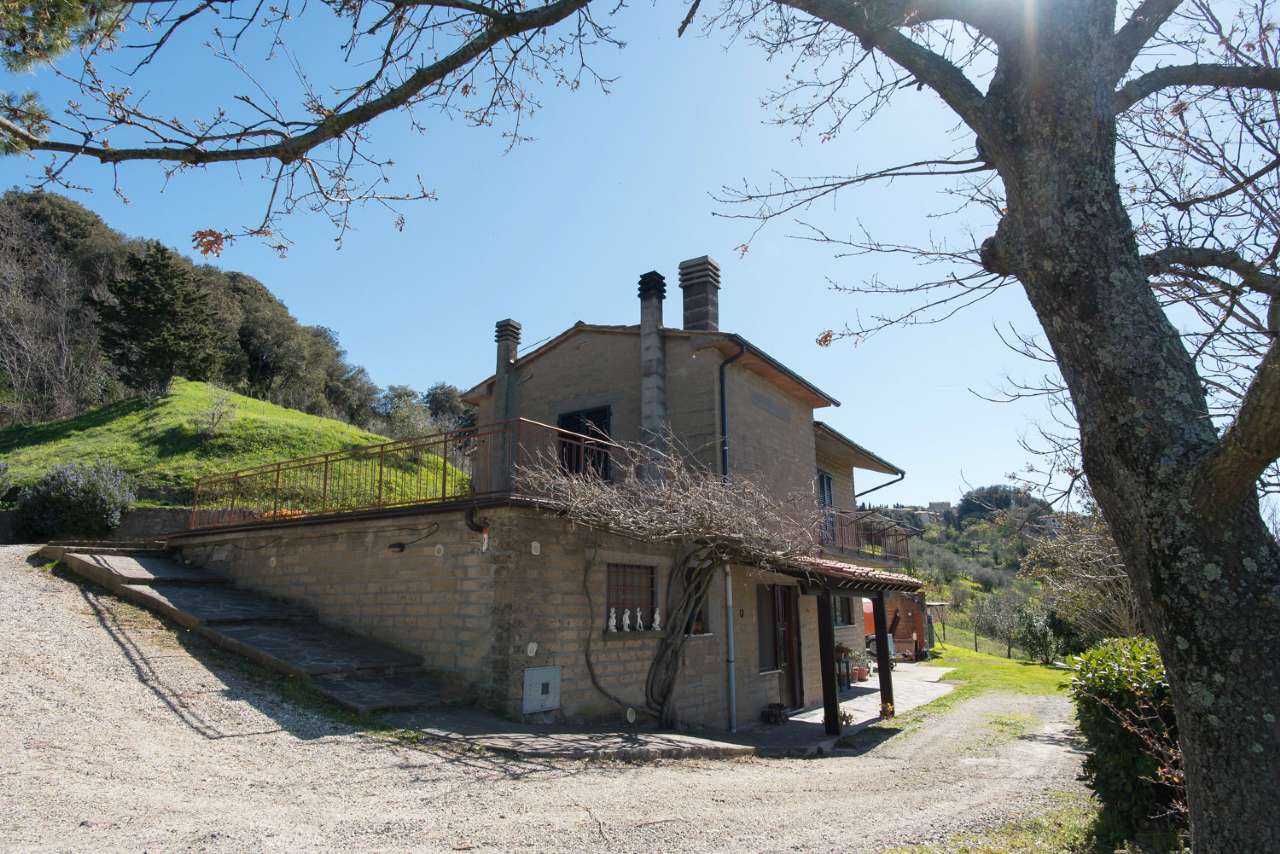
{"x":787,"y":607}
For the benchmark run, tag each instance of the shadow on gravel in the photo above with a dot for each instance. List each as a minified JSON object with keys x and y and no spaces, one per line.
{"x":288,"y":702}
{"x":1069,"y":741}
{"x":292,"y":705}
{"x":866,"y":740}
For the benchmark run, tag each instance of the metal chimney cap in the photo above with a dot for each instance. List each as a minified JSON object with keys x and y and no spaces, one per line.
{"x":652,"y":283}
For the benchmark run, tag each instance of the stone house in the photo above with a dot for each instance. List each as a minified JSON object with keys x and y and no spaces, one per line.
{"x":513,"y":601}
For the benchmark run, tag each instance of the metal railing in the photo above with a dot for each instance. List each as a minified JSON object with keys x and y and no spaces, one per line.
{"x":471,"y":462}
{"x":867,"y":534}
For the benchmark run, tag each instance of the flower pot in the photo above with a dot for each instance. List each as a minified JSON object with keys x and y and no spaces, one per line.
{"x":861,"y":674}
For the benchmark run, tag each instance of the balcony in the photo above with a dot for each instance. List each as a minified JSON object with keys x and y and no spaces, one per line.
{"x":440,"y":468}
{"x":866,"y":534}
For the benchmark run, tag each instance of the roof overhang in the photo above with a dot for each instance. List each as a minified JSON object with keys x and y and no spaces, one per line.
{"x":834,"y":445}
{"x":840,"y":577}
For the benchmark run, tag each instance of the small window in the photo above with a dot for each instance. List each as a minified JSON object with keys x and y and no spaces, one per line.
{"x":630,"y":588}
{"x":767,"y":624}
{"x":844,"y":610}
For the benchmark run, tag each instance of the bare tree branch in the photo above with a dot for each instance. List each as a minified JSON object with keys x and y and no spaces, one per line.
{"x":1138,"y":31}
{"x":875,"y":25}
{"x":1196,"y":74}
{"x":1249,"y":446}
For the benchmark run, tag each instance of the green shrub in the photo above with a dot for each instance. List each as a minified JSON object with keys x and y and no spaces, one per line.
{"x":1126,"y":716}
{"x":75,"y":500}
{"x":6,"y":480}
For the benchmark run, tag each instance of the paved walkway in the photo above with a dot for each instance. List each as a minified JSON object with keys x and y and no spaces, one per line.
{"x":913,"y":684}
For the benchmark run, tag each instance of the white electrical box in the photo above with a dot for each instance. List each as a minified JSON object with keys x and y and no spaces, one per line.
{"x":541,"y":689}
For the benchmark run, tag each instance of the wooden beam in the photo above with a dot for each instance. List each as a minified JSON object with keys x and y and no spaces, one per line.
{"x":884,"y":663}
{"x":827,"y":659}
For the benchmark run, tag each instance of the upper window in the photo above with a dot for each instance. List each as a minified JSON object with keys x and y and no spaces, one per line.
{"x":583,"y":453}
{"x":631,"y":595}
{"x":825,"y":496}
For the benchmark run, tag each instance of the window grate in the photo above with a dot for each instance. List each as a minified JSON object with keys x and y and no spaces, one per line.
{"x":631,"y":588}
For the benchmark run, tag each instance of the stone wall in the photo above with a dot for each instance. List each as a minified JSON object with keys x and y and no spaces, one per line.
{"x":530,"y":593}
{"x":434,"y":598}
{"x":770,"y":434}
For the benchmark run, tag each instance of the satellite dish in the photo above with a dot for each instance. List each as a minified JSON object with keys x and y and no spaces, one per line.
{"x":532,"y":648}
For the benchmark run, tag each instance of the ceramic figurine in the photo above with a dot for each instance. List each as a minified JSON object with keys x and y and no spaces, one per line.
{"x":639,"y":620}
{"x":613,"y":619}
{"x":657,"y":620}
{"x":626,"y":620}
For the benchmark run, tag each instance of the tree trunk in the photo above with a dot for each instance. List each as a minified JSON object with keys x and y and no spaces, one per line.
{"x":1208,"y":578}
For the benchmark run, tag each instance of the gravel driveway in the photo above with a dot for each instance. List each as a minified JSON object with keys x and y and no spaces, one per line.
{"x":118,"y":733}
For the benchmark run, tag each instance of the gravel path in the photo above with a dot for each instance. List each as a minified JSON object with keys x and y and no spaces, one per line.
{"x":118,"y":733}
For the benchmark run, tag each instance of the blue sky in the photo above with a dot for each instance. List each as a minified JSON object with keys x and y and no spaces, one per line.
{"x":560,"y":229}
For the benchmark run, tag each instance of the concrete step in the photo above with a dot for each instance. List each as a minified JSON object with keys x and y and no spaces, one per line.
{"x":310,"y":649}
{"x":194,"y":605}
{"x":112,"y":570}
{"x":141,"y":548}
{"x":366,"y":694}
{"x":359,"y":673}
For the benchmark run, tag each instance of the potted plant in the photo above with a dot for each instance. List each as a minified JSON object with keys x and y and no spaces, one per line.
{"x":860,"y":664}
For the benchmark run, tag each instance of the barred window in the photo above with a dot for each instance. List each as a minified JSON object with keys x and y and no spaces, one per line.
{"x":631,"y":588}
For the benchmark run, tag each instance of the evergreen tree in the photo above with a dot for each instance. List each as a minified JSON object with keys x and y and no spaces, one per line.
{"x":158,"y":323}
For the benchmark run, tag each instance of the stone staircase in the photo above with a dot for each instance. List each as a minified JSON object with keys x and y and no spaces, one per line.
{"x":359,"y":673}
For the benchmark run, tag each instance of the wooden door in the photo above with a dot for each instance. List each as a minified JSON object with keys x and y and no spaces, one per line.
{"x":787,"y":607}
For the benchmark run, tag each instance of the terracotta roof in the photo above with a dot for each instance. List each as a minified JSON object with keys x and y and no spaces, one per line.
{"x":850,"y":575}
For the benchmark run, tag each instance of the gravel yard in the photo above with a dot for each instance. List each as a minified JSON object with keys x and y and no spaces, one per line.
{"x":116,"y":732}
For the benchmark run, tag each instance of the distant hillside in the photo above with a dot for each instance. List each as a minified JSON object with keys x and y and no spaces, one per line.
{"x":166,"y":444}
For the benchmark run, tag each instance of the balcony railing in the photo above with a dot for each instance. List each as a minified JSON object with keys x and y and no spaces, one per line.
{"x":866,"y":534}
{"x":468,"y":463}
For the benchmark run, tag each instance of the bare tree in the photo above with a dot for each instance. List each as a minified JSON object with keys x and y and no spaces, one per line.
{"x":1156,"y":294}
{"x":1079,"y":566}
{"x":658,"y":495}
{"x":49,"y":354}
{"x":473,"y":58}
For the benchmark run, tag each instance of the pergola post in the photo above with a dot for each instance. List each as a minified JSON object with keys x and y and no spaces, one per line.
{"x":883,"y":662}
{"x":827,"y":660}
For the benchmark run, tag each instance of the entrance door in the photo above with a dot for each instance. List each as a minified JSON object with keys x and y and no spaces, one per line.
{"x":787,"y":607}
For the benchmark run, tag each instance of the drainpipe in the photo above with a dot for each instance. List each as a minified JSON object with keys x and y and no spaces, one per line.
{"x":728,"y":637}
{"x":857,"y":495}
{"x":724,"y":412}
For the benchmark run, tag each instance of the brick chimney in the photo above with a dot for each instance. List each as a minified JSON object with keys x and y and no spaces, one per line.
{"x":700,"y":281}
{"x":653,"y":359}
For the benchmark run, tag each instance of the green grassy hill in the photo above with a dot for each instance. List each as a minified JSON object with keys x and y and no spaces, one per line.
{"x":165,"y":445}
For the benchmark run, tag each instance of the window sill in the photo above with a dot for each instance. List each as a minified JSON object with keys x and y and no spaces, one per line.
{"x":702,"y":635}
{"x":770,"y":672}
{"x":627,"y":635}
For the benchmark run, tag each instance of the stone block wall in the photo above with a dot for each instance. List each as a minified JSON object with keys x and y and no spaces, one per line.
{"x":530,"y":594}
{"x":435,"y":598}
{"x":770,"y":435}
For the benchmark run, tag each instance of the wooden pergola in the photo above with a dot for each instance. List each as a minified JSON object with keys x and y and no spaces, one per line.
{"x":829,"y":578}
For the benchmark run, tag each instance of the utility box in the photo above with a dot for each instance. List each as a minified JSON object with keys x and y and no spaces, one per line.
{"x":541,"y":689}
